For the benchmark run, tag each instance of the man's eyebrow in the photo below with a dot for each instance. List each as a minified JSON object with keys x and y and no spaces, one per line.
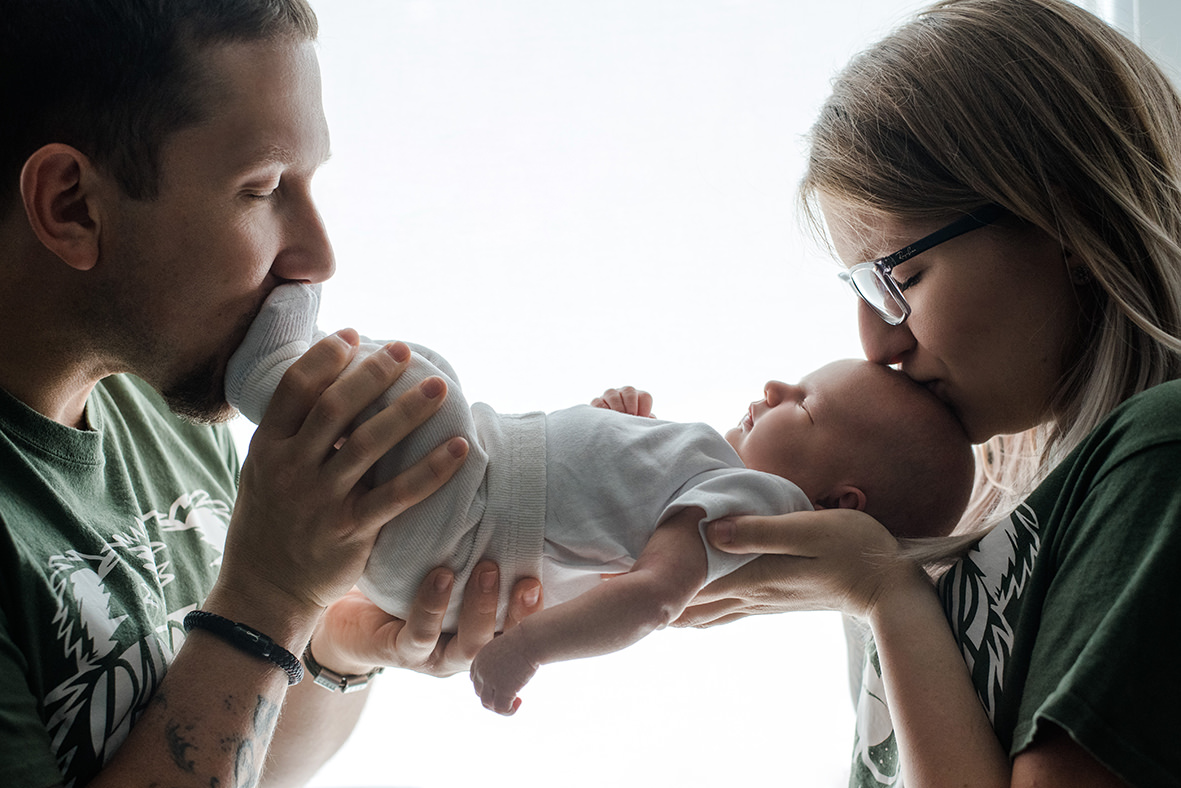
{"x":276,"y":154}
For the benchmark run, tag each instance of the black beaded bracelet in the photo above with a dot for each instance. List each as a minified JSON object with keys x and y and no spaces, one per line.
{"x":247,"y":639}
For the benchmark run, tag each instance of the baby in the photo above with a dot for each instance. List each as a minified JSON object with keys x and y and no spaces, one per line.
{"x":580,"y":493}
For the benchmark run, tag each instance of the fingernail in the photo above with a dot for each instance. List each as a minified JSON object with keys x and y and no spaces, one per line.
{"x":487,"y":580}
{"x":722,"y":532}
{"x":433,"y":387}
{"x":531,"y":597}
{"x":348,"y":336}
{"x":457,"y":448}
{"x":398,"y":351}
{"x":443,"y":582}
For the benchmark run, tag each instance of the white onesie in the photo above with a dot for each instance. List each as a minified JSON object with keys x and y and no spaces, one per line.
{"x":565,"y":497}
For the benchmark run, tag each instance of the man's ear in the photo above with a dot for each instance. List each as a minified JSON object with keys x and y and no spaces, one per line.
{"x":846,"y":496}
{"x":58,"y":187}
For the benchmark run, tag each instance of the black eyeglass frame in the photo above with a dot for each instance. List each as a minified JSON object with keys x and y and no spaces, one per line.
{"x":884,"y":266}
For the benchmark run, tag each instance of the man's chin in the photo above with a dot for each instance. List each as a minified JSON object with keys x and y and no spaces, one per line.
{"x":200,"y":397}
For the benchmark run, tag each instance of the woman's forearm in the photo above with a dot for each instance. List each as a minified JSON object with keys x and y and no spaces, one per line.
{"x":944,"y":736}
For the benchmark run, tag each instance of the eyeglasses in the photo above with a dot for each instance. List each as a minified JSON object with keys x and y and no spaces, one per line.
{"x":872,"y":281}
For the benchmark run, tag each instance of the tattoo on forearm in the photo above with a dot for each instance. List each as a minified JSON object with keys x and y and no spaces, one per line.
{"x":266,"y":714}
{"x":179,"y":747}
{"x":248,"y":755}
{"x":246,"y":771}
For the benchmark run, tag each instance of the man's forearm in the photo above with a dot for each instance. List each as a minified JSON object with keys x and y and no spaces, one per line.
{"x":210,"y":723}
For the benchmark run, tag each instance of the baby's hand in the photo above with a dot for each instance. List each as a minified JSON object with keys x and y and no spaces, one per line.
{"x":499,"y":672}
{"x":626,"y":400}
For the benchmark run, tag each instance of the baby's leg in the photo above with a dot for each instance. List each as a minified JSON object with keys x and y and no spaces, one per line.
{"x":283,"y":331}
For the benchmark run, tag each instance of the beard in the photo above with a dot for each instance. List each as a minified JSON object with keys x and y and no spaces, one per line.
{"x":198,"y":396}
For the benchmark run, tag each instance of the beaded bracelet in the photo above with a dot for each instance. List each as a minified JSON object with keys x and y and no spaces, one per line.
{"x":247,"y":639}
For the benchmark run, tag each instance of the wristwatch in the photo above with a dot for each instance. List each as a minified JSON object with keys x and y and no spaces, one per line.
{"x":333,"y":681}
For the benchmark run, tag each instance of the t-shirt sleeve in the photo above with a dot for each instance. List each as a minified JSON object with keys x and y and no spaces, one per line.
{"x":1107,"y":635}
{"x":25,"y":751}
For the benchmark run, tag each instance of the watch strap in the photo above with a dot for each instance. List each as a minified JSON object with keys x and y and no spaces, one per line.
{"x":333,"y":681}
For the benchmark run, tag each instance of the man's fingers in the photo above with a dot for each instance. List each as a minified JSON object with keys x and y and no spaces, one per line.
{"x":306,"y":380}
{"x":385,"y":429}
{"x":477,"y":617}
{"x":416,"y":641}
{"x":527,"y":598}
{"x":414,"y":484}
{"x":343,"y":402}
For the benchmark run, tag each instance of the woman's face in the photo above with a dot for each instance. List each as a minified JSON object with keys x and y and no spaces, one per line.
{"x":994,"y":315}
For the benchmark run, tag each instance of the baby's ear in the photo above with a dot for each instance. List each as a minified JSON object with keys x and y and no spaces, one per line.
{"x":844,"y":497}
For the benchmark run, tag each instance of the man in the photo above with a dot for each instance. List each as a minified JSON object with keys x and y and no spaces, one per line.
{"x":156,"y":161}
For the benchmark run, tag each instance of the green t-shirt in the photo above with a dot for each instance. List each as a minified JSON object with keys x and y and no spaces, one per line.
{"x":1067,"y":613}
{"x":108,"y":536}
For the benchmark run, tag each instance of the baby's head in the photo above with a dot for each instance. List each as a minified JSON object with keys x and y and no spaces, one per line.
{"x":859,"y":435}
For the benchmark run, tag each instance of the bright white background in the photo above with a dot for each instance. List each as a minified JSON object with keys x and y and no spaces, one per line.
{"x":565,"y":196}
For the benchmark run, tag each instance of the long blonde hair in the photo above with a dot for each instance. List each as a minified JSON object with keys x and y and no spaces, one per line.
{"x":1041,"y":107}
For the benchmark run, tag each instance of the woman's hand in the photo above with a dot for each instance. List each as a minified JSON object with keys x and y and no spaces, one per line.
{"x":829,"y":559}
{"x":628,"y":400}
{"x":356,"y":635}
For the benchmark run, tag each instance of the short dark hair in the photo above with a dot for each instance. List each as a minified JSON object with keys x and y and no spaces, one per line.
{"x":115,"y":78}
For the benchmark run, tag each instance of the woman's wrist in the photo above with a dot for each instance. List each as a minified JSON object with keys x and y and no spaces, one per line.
{"x":904,"y":586}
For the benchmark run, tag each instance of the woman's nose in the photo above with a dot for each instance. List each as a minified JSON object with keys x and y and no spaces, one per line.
{"x":882,"y":342}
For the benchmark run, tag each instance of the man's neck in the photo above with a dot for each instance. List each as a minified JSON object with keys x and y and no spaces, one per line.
{"x":44,"y":360}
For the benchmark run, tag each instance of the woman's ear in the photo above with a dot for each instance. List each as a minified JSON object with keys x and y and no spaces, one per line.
{"x":58,"y":188}
{"x":846,"y":496}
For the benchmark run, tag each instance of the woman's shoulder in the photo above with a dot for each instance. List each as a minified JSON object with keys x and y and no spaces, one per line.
{"x":1152,"y":416}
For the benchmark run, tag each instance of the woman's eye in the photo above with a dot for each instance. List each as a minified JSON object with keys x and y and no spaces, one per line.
{"x":908,"y":283}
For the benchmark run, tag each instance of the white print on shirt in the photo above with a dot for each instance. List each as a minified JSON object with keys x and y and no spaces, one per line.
{"x":978,"y":593}
{"x":875,"y":751}
{"x":91,"y":713}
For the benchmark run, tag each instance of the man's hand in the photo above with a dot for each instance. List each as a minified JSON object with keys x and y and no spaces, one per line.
{"x":628,"y":400}
{"x":305,"y":521}
{"x":355,"y":635}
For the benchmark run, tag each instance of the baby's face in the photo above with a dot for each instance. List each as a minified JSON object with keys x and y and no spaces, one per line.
{"x":811,"y":431}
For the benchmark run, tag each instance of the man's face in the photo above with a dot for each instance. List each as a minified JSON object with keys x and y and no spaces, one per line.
{"x":187,"y":272}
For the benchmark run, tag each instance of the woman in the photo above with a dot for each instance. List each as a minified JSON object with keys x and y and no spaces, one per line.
{"x":1037,"y":154}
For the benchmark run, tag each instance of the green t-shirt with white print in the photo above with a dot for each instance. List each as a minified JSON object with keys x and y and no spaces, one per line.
{"x":1067,"y":614}
{"x":108,"y":536}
